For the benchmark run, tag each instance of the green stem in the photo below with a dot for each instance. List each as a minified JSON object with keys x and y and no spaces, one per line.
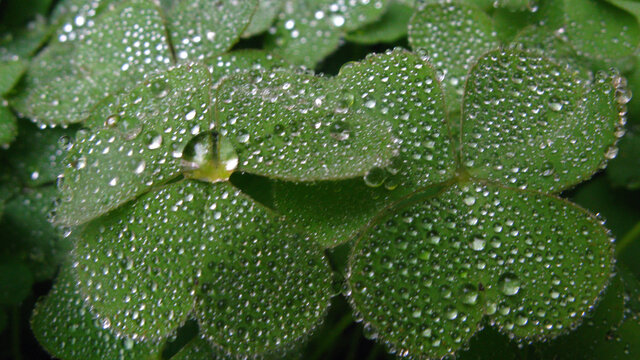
{"x":15,"y":333}
{"x":338,"y":329}
{"x":633,"y":234}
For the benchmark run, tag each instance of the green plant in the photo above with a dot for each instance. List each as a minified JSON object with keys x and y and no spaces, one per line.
{"x":217,"y":199}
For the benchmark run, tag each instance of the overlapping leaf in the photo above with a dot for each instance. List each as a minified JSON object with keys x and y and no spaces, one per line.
{"x":65,"y":327}
{"x":405,"y":91}
{"x":309,"y":30}
{"x":454,"y":36}
{"x":66,"y":80}
{"x":558,"y":137}
{"x":392,"y":26}
{"x":424,"y":277}
{"x":296,"y":126}
{"x":265,"y":14}
{"x":137,"y":142}
{"x":139,"y":269}
{"x":204,"y":28}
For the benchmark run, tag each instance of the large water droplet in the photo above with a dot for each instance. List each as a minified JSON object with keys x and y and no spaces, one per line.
{"x":375,"y":177}
{"x":209,"y":157}
{"x":509,"y":284}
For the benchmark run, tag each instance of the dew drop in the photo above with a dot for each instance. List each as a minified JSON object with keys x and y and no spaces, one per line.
{"x":509,"y":284}
{"x":375,"y":177}
{"x":209,"y":157}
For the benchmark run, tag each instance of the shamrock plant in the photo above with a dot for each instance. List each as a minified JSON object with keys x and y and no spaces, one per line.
{"x":207,"y":188}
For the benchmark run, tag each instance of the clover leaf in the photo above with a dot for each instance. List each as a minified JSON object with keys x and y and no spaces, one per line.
{"x":453,"y":35}
{"x":427,"y":271}
{"x":64,"y":325}
{"x":115,"y":47}
{"x":307,"y":31}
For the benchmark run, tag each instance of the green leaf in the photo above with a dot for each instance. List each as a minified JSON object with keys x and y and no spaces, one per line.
{"x":8,"y":125}
{"x":197,"y":349}
{"x":28,"y":234}
{"x":65,"y":327}
{"x":558,"y":137}
{"x":530,"y":5}
{"x":204,"y":28}
{"x":425,"y":155}
{"x":239,"y":61}
{"x":624,"y":170}
{"x":265,"y":14}
{"x":632,"y":6}
{"x":24,"y":42}
{"x":263,"y":288}
{"x":424,"y":277}
{"x":138,"y":266}
{"x":309,"y":30}
{"x":137,"y":142}
{"x":545,"y":41}
{"x":15,"y":281}
{"x":509,"y":24}
{"x":594,"y":338}
{"x":69,"y":78}
{"x":454,"y":36}
{"x":37,"y":156}
{"x":392,"y":26}
{"x":10,"y":73}
{"x":297,"y":126}
{"x":599,"y":30}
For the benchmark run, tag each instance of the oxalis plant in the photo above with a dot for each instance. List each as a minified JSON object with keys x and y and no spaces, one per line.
{"x":195,"y":190}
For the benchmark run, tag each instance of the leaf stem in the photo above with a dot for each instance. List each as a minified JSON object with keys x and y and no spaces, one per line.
{"x":628,"y":238}
{"x":329,"y":340}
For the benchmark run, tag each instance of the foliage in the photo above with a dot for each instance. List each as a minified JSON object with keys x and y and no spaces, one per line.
{"x":193,"y":189}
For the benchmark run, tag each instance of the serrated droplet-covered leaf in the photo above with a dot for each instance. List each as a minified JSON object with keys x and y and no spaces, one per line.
{"x":37,"y":156}
{"x":204,"y":28}
{"x":69,"y":78}
{"x":309,"y":30}
{"x":454,"y":36}
{"x":599,"y":30}
{"x":8,"y":125}
{"x":392,"y":26}
{"x":137,"y":142}
{"x":65,"y":327}
{"x":558,"y":137}
{"x":138,"y":266}
{"x":265,"y":14}
{"x":404,"y":90}
{"x":296,"y":126}
{"x":263,"y":288}
{"x":424,"y":277}
{"x":28,"y":234}
{"x":10,"y":73}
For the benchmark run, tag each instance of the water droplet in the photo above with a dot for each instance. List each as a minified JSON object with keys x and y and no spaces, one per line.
{"x":209,"y":157}
{"x":509,"y":284}
{"x":469,"y":295}
{"x":345,"y":101}
{"x":111,"y":121}
{"x":340,"y":130}
{"x":375,"y":177}
{"x":153,"y":140}
{"x":478,"y":242}
{"x":243,"y":137}
{"x":140,"y":167}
